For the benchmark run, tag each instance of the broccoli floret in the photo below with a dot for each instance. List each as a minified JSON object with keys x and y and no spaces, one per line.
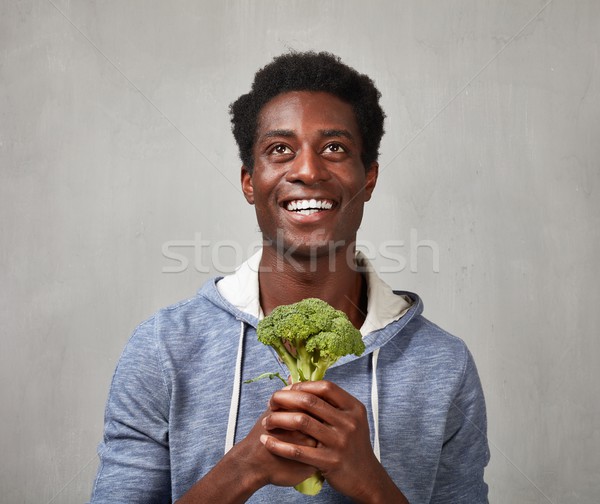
{"x":309,"y":337}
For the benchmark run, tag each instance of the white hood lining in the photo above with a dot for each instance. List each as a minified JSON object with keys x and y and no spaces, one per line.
{"x":242,"y":290}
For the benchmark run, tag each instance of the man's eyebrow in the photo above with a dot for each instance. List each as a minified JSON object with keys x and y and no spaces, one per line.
{"x":328,"y":133}
{"x":337,"y":133}
{"x":279,"y":133}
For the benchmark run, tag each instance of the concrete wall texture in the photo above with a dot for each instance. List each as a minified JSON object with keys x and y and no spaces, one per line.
{"x":116,"y":155}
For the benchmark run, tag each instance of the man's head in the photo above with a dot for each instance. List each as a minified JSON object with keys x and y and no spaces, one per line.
{"x":309,"y":71}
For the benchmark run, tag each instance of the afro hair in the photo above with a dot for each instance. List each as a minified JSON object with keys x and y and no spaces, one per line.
{"x":309,"y":71}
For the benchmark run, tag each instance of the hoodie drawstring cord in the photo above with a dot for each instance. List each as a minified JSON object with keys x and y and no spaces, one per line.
{"x":235,"y":395}
{"x":375,"y":404}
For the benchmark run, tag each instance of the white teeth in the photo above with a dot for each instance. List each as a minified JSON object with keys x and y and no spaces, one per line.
{"x":312,"y":205}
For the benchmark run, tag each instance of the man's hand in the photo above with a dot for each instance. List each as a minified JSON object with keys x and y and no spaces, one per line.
{"x":270,"y":468}
{"x":338,"y":422}
{"x":249,"y":466}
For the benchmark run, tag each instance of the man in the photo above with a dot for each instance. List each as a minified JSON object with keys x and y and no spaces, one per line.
{"x":405,"y":422}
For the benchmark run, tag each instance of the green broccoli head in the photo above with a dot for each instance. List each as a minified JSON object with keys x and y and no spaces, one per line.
{"x":309,"y":336}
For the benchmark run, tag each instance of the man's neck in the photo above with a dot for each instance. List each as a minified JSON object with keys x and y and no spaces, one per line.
{"x":330,"y":277}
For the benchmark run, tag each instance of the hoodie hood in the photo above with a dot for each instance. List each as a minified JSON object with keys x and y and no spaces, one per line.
{"x":373,"y":339}
{"x":239,"y":293}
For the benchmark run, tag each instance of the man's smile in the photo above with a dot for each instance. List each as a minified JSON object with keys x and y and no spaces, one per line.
{"x":309,"y":206}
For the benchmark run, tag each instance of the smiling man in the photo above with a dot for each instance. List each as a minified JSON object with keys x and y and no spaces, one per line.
{"x":405,"y":422}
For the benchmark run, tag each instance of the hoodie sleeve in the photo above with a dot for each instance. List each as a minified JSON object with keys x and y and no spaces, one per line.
{"x":134,"y":455}
{"x":465,"y":451}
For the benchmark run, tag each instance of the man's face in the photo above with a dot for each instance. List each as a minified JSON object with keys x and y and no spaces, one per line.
{"x":309,"y":184}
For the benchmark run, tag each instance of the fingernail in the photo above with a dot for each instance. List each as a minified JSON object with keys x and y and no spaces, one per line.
{"x":263,"y":438}
{"x":287,"y":388}
{"x":264,"y":422}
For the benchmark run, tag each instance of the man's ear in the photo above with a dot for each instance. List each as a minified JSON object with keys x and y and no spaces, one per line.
{"x":247,"y":187}
{"x":371,"y":179}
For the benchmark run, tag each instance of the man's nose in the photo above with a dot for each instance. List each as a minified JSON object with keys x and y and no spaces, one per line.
{"x":309,"y":168}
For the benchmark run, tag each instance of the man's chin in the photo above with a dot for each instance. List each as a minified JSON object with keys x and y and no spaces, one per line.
{"x":306,"y":255}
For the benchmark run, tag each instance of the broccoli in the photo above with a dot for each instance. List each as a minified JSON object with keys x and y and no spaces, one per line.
{"x":309,"y":337}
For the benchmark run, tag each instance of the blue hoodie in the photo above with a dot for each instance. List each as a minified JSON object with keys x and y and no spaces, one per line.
{"x":178,"y":389}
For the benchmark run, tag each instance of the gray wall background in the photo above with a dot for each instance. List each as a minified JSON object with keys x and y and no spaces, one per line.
{"x":115,"y":142}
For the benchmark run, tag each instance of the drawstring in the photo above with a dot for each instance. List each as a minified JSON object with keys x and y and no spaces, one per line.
{"x":375,"y":404}
{"x":235,"y":395}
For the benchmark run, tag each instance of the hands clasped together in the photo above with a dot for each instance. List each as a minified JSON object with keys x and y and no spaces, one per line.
{"x":313,"y":426}
{"x":307,"y":427}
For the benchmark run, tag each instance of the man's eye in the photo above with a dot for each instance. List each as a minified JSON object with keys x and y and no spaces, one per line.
{"x":281,"y":149}
{"x":334,"y":147}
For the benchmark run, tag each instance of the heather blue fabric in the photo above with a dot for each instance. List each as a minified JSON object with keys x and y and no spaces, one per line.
{"x":166,"y":416}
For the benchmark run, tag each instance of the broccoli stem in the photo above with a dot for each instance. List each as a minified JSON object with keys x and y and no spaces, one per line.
{"x":288,"y":359}
{"x":321,"y":367}
{"x":303,"y":362}
{"x":311,"y":485}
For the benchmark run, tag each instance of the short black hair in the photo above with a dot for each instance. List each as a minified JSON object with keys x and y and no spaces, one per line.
{"x":309,"y":71}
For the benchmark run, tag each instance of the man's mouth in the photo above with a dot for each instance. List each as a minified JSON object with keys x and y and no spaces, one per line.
{"x":308,"y":206}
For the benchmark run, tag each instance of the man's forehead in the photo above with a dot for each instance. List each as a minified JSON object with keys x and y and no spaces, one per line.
{"x":329,"y":114}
